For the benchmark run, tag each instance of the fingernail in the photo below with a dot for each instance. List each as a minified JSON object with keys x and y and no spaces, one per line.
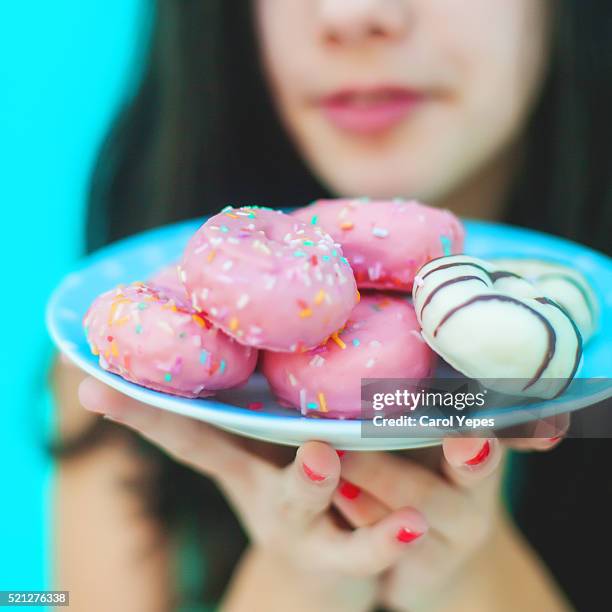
{"x":483,"y":453}
{"x":340,"y":453}
{"x":349,"y":490}
{"x":554,"y":439}
{"x":405,"y":535}
{"x":314,"y":476}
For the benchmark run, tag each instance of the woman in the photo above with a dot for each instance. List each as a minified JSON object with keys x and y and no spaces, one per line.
{"x":479,"y":107}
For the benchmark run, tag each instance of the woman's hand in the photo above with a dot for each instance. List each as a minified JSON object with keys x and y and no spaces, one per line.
{"x":460,"y":497}
{"x":285,"y":510}
{"x":288,"y":512}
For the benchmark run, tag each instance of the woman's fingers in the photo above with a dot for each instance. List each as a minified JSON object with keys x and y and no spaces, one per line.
{"x":309,"y":484}
{"x":368,"y":550}
{"x":358,"y":507}
{"x":468,"y":461}
{"x":395,"y":481}
{"x":187,"y":440}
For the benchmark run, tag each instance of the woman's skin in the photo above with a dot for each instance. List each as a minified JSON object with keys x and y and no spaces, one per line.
{"x":382,"y":97}
{"x":473,"y":70}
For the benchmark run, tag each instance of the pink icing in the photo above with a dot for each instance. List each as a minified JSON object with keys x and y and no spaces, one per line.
{"x":153,"y":337}
{"x":267,"y":279}
{"x":381,"y":340}
{"x":386,"y":242}
{"x":168,"y":278}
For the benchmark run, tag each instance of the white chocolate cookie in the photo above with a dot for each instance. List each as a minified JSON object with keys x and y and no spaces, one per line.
{"x":495,"y":326}
{"x":562,"y":284}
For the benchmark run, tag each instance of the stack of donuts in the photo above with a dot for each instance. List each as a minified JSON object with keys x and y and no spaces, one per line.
{"x":258,"y":285}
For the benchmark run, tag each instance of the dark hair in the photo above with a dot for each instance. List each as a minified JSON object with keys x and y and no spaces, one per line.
{"x":201,"y":132}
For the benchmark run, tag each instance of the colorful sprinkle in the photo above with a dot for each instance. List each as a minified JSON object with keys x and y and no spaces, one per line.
{"x":370,"y":363}
{"x":314,"y":220}
{"x":222,"y":366}
{"x":243,"y":300}
{"x":168,"y":377}
{"x":224,"y":229}
{"x":317,"y":361}
{"x":233,"y":324}
{"x":299,"y":254}
{"x":142,"y":306}
{"x":199,"y":320}
{"x":325,"y":257}
{"x":338,"y":340}
{"x":139,"y":329}
{"x":308,"y":243}
{"x":347,"y":226}
{"x":211,"y":256}
{"x":320,"y":297}
{"x":203,"y":357}
{"x":312,"y":405}
{"x":255,"y":405}
{"x":114,"y":349}
{"x":380,"y":232}
{"x":356,"y":342}
{"x":322,"y":402}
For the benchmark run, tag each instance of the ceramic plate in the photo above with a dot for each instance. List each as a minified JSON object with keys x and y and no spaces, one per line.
{"x":138,"y":257}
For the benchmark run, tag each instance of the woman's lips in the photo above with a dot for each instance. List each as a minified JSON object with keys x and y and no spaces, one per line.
{"x":370,"y":111}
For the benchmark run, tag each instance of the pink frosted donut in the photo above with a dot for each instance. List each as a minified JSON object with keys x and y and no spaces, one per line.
{"x":268,"y":280}
{"x":387,"y":241}
{"x":381,"y":340}
{"x":153,"y":338}
{"x":168,"y":278}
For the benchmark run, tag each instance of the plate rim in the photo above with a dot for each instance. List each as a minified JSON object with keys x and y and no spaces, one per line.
{"x":227,"y":415}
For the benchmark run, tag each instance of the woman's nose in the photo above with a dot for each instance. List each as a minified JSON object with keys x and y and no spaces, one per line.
{"x":356,"y":21}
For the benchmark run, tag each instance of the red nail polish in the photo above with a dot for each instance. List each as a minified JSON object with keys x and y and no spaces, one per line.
{"x":340,"y":453}
{"x":406,"y":536}
{"x":314,"y":476}
{"x":349,"y":490}
{"x":554,"y":439}
{"x":483,"y":453}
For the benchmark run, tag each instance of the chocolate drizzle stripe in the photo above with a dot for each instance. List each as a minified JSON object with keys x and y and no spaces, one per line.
{"x":552,"y":336}
{"x":572,"y":281}
{"x":453,"y":265}
{"x":495,"y":276}
{"x":450,"y":265}
{"x":545,"y":300}
{"x":446,"y":283}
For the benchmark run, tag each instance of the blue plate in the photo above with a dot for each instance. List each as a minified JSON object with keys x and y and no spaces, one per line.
{"x":138,"y":257}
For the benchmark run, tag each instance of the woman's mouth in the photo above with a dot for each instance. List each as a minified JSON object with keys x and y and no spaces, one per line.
{"x":370,"y":111}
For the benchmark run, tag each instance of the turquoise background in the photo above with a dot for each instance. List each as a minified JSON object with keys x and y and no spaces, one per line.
{"x":64,"y":67}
